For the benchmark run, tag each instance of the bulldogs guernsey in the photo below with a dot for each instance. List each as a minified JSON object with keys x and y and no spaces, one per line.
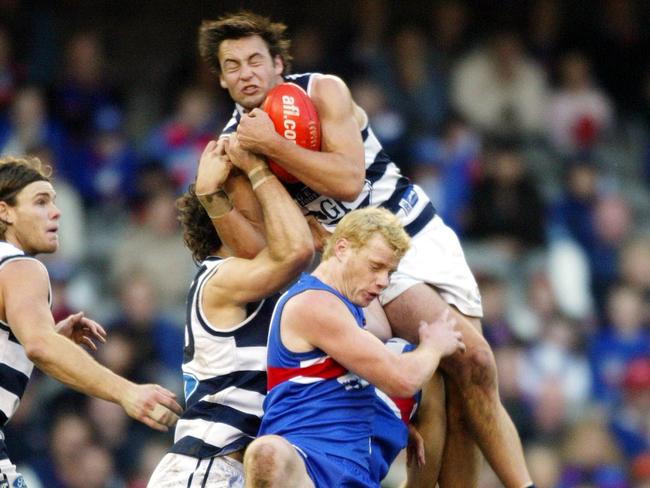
{"x":322,"y":409}
{"x":15,"y":366}
{"x":224,"y":375}
{"x":392,"y":416}
{"x":384,"y":185}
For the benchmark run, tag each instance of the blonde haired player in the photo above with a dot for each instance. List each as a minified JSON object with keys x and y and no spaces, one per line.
{"x":322,"y":363}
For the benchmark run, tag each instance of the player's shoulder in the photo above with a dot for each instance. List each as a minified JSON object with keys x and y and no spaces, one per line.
{"x":323,"y":81}
{"x":314,"y":301}
{"x":330,"y":94}
{"x":22,"y":264}
{"x":23,"y":271}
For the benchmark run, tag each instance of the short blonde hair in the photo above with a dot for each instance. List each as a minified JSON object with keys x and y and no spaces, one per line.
{"x":359,"y":226}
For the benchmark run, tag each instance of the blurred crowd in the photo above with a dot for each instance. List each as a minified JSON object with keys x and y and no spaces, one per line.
{"x":527,"y":123}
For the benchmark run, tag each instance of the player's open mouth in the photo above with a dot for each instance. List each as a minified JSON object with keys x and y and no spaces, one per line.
{"x":250,"y":90}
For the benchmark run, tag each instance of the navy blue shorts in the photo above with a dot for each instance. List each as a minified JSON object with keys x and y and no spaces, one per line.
{"x":331,"y":471}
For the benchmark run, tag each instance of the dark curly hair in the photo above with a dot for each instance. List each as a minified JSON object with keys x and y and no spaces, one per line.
{"x":15,"y":174}
{"x":199,"y":234}
{"x":236,"y":26}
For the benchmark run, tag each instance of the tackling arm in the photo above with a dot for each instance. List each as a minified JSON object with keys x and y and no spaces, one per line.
{"x":332,"y":329}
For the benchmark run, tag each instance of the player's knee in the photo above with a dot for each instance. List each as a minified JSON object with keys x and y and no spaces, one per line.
{"x":266,"y":460}
{"x":476,"y":368}
{"x":483,"y":368}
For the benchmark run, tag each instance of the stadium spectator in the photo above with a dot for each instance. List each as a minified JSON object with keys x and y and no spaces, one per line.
{"x":84,"y":86}
{"x":499,"y":89}
{"x":623,"y":338}
{"x":506,"y":211}
{"x":579,"y":113}
{"x":179,"y":140}
{"x":152,"y":246}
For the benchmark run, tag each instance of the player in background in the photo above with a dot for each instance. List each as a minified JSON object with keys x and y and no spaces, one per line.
{"x":319,"y":410}
{"x":250,"y":55}
{"x":229,"y":310}
{"x":29,"y":221}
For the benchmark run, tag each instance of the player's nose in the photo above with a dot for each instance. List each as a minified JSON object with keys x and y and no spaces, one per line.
{"x":246,"y":72}
{"x":382,"y":279}
{"x":55,"y":212}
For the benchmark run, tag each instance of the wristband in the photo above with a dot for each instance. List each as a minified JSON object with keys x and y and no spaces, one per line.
{"x":259,"y":175}
{"x":216,"y":204}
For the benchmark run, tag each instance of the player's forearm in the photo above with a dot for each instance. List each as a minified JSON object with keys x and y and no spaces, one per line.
{"x":415,"y":368}
{"x":60,"y":358}
{"x":288,"y":236}
{"x":242,"y":230}
{"x":330,"y":174}
{"x":243,"y":238}
{"x":241,"y":195}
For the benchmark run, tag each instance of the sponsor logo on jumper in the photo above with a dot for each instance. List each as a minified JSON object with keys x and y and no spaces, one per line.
{"x":305,"y":196}
{"x":409,"y":200}
{"x":351,"y":381}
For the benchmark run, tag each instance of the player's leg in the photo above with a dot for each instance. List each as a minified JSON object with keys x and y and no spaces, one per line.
{"x":180,"y":471}
{"x":431,"y":424}
{"x":474,"y":374}
{"x":404,"y":312}
{"x":459,"y":446}
{"x":271,"y":462}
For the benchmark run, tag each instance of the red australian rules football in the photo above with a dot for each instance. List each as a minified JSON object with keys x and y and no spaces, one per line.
{"x":295,"y":118}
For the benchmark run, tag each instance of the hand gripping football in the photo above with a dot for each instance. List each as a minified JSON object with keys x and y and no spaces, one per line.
{"x":295,"y":118}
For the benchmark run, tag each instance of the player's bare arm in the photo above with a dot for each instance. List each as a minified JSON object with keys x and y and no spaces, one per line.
{"x":335,"y":331}
{"x":243,"y":198}
{"x":25,"y":305}
{"x":338,"y":170}
{"x":229,"y":216}
{"x":289,"y":243}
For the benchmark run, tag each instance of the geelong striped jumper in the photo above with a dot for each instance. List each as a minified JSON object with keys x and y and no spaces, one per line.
{"x":224,"y":375}
{"x":15,"y":366}
{"x":384,"y":186}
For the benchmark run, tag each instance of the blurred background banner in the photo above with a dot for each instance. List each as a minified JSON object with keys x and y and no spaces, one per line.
{"x":527,"y":123}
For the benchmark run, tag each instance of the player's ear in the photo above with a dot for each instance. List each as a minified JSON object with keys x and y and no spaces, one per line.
{"x":278,"y":65}
{"x":340,"y":247}
{"x":222,"y":82}
{"x":6,"y":213}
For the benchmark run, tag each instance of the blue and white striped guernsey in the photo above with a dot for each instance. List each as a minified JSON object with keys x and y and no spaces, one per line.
{"x":15,"y":366}
{"x":224,"y":375}
{"x":385,"y":186}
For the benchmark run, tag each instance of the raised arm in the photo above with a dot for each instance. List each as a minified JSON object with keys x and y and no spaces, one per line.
{"x":289,"y":242}
{"x":238,"y":223}
{"x":338,"y":170}
{"x":24,"y":292}
{"x":332,"y":328}
{"x":243,"y":198}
